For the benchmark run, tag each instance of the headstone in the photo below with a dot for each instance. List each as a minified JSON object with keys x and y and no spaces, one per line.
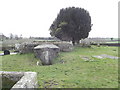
{"x":6,"y":52}
{"x":46,"y":53}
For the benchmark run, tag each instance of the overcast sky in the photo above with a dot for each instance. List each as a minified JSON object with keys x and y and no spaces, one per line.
{"x":34,"y":17}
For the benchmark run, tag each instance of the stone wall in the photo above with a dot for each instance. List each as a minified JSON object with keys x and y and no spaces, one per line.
{"x":29,"y":47}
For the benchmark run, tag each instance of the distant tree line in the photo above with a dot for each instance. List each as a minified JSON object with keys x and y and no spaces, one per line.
{"x":11,"y":36}
{"x":15,"y":36}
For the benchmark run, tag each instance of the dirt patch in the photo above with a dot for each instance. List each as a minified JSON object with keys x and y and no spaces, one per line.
{"x":50,"y":83}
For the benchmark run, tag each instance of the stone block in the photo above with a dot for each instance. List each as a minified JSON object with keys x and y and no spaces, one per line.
{"x":46,"y":53}
{"x":64,"y":46}
{"x":22,"y":80}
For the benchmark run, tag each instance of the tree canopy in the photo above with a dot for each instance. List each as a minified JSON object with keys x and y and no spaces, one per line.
{"x":71,"y":24}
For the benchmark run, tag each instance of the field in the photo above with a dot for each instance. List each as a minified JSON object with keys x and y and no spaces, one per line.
{"x":70,"y":70}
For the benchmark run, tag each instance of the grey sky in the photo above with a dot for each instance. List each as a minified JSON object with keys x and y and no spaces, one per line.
{"x":34,"y":17}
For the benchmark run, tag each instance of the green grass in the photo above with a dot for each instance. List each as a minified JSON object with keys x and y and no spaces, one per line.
{"x":69,"y":69}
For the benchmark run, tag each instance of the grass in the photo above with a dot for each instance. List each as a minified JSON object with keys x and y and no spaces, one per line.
{"x":69,"y":69}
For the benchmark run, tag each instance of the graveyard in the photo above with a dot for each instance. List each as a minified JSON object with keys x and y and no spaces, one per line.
{"x":59,"y":44}
{"x":80,"y":67}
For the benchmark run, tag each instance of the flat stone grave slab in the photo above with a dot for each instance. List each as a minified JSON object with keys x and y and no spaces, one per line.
{"x":100,"y":57}
{"x":105,"y":56}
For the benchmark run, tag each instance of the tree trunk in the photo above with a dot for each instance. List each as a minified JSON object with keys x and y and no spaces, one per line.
{"x":73,"y":41}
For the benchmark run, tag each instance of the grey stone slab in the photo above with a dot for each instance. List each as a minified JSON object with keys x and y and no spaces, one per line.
{"x":23,"y":79}
{"x":29,"y":80}
{"x":105,"y":56}
{"x":109,"y":56}
{"x":100,"y":57}
{"x":46,"y":46}
{"x":64,"y":46}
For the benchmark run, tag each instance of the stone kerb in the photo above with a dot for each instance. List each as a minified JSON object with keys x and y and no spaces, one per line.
{"x":46,"y":53}
{"x":29,"y":80}
{"x":22,"y":79}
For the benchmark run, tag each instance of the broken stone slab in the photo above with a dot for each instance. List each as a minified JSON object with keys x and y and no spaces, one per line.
{"x":18,"y":80}
{"x":46,"y":53}
{"x":29,"y":80}
{"x":64,"y":46}
{"x":87,"y":59}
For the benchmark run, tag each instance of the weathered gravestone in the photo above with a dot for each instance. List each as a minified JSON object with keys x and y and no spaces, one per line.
{"x":6,"y":52}
{"x":46,"y":53}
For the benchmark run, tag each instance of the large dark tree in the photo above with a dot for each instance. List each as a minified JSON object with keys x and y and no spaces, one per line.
{"x":71,"y":24}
